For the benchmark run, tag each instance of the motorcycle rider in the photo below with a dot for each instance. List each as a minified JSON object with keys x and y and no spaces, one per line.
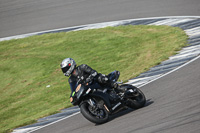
{"x":83,"y":74}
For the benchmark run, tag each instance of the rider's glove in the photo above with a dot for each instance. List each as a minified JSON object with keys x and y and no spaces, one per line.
{"x":89,"y":79}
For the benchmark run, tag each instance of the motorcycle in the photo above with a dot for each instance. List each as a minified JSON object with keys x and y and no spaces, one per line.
{"x":98,"y":102}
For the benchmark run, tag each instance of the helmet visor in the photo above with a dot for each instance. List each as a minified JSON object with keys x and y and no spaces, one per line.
{"x":65,"y":69}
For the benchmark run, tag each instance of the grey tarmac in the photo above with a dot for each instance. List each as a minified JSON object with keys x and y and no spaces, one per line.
{"x":177,"y":95}
{"x":173,"y":100}
{"x":173,"y":107}
{"x":27,"y":16}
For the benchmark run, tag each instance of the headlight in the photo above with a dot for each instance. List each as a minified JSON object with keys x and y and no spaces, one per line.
{"x":78,"y":87}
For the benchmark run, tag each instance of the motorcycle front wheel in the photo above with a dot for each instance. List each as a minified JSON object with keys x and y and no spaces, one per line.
{"x":94,"y":114}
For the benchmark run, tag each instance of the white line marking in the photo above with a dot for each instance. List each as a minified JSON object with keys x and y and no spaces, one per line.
{"x":119,"y":21}
{"x":170,"y":19}
{"x":180,"y":21}
{"x":54,"y":122}
{"x":138,"y":86}
{"x":184,"y":55}
{"x":164,"y":22}
{"x":190,"y":48}
{"x":101,"y":25}
{"x":140,"y":79}
{"x":25,"y":130}
{"x":172,"y":70}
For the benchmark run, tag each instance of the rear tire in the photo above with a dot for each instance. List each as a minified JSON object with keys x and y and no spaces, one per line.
{"x":137,"y":102}
{"x":91,"y":116}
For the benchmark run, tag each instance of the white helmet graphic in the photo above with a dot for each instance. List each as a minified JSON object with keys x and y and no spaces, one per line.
{"x":68,"y":66}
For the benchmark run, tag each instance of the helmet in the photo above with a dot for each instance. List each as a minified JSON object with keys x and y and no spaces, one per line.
{"x":68,"y":66}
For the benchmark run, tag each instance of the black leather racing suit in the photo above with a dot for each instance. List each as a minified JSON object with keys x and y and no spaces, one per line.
{"x":84,"y":74}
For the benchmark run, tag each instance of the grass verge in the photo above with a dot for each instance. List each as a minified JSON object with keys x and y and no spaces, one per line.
{"x":28,"y":65}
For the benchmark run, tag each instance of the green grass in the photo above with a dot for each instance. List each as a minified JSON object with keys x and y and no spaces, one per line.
{"x":28,"y":65}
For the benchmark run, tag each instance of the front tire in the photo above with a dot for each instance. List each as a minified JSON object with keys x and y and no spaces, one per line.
{"x":98,"y":116}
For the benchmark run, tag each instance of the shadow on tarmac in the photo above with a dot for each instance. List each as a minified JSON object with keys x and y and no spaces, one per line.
{"x":126,"y":111}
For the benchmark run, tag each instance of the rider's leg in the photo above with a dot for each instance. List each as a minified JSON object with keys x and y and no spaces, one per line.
{"x":104,"y":80}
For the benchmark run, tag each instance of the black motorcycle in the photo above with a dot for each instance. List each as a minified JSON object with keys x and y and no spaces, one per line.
{"x":98,"y":102}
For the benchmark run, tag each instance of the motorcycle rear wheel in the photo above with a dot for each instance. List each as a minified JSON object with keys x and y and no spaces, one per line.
{"x":99,"y":116}
{"x":139,"y":101}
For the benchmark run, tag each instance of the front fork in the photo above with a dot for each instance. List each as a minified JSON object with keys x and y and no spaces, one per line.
{"x":94,"y":106}
{"x":91,"y":103}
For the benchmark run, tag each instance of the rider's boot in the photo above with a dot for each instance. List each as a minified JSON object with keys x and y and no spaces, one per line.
{"x":117,"y":87}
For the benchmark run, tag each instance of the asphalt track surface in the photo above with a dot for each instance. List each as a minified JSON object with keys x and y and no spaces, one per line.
{"x":27,"y":16}
{"x":173,"y":101}
{"x":173,"y":107}
{"x":191,"y":25}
